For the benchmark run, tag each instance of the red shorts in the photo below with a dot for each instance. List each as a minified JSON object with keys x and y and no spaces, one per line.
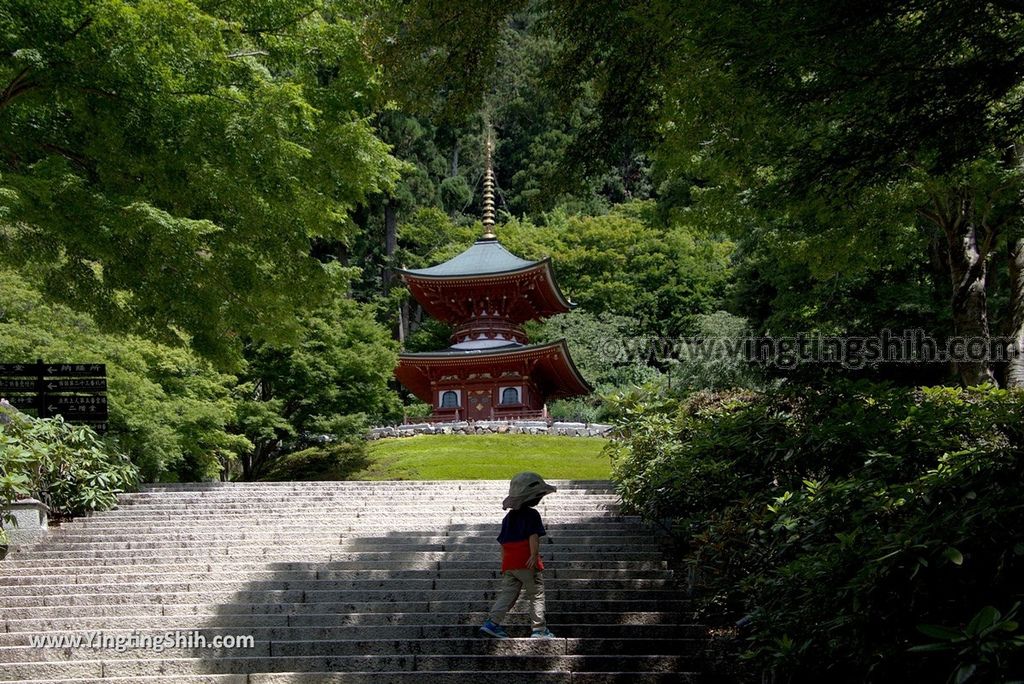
{"x":515,"y":554}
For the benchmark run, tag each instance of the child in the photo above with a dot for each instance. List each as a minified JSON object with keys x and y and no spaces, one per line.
{"x":521,"y":564}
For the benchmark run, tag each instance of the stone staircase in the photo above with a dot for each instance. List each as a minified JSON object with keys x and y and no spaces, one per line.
{"x":340,"y":582}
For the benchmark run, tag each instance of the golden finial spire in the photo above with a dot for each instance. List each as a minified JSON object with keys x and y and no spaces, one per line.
{"x":488,"y":188}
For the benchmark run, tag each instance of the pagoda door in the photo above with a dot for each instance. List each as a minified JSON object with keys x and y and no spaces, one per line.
{"x":479,"y":405}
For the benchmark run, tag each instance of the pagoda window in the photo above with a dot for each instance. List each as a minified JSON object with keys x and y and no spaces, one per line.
{"x":449,"y":399}
{"x":510,"y":395}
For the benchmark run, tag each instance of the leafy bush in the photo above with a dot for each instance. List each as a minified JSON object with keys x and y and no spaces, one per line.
{"x":577,"y":409}
{"x":67,"y":467}
{"x":417,"y":409}
{"x":329,"y":462}
{"x":838,"y":519}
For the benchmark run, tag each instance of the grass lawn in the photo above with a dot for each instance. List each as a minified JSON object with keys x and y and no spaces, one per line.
{"x":486,"y":457}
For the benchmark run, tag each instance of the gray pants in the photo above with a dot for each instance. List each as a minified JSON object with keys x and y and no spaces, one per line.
{"x":514,"y":581}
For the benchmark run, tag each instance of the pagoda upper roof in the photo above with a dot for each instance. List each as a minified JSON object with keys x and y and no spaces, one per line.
{"x":486,"y":256}
{"x":487,"y":271}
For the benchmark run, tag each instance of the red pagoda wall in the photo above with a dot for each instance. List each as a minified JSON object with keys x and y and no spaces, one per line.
{"x":479,"y":397}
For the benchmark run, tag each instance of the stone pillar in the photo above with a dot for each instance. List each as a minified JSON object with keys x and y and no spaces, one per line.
{"x":31,"y":520}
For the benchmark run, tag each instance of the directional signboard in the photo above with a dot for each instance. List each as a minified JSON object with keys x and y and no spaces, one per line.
{"x":74,"y":407}
{"x":76,"y":391}
{"x":15,"y":369}
{"x":84,"y":385}
{"x":75,"y":370}
{"x":24,"y":402}
{"x":17,"y":385}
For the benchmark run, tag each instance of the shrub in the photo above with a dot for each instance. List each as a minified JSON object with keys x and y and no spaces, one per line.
{"x":417,"y":409}
{"x":838,"y":519}
{"x":330,"y":462}
{"x":67,"y":467}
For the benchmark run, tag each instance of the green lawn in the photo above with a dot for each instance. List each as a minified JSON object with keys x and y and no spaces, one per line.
{"x":486,"y":457}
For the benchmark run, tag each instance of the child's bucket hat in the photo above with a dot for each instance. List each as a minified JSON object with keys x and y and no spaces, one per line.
{"x":525,"y":487}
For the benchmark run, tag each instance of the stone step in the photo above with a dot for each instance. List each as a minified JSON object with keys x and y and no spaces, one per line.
{"x":397,"y":677}
{"x":331,"y":537}
{"x":398,"y":543}
{"x":419,"y":536}
{"x":477,"y":513}
{"x":25,"y":638}
{"x":333,"y":553}
{"x":197,"y":594}
{"x":345,"y":582}
{"x":426,"y":520}
{"x":554,"y":605}
{"x":420,"y":585}
{"x":86,"y":525}
{"x":625,"y":620}
{"x":349,"y":503}
{"x":466,"y":644}
{"x":390,"y":485}
{"x":479,"y":575}
{"x":506,"y":663}
{"x":226,"y":563}
{"x":601,"y":525}
{"x":348,"y":498}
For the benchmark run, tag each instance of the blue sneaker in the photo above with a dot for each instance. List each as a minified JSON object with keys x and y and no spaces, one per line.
{"x":494,"y":630}
{"x":542,"y":634}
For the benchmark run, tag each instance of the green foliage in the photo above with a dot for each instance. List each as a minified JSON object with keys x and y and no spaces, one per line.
{"x":150,"y":144}
{"x":333,"y":382}
{"x":418,"y":409}
{"x":837,"y":518}
{"x":985,"y":646}
{"x":629,"y":263}
{"x":713,"y":358}
{"x":604,"y":347}
{"x":170,"y":410}
{"x":69,"y":468}
{"x":327,"y":462}
{"x":577,"y":410}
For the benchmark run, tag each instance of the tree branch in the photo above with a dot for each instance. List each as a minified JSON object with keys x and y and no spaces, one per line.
{"x":248,"y":53}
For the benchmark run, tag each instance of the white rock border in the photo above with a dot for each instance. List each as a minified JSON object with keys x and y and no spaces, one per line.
{"x":492,"y":427}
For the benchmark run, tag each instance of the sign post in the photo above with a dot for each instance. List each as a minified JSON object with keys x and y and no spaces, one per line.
{"x":76,"y":391}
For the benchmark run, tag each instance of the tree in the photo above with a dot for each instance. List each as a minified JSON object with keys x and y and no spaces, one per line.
{"x":170,"y":409}
{"x":151,"y":144}
{"x":332,"y":382}
{"x":803,"y":107}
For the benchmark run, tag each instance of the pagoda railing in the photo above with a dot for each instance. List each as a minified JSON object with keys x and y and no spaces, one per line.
{"x":498,"y":416}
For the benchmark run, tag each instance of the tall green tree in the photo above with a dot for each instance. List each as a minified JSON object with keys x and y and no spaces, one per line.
{"x":333,"y":382}
{"x":808,"y":109}
{"x":165,"y":164}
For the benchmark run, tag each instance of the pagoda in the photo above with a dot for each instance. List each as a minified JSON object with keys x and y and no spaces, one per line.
{"x":486,"y":294}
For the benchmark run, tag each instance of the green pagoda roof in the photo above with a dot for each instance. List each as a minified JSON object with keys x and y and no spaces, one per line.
{"x":485,"y":257}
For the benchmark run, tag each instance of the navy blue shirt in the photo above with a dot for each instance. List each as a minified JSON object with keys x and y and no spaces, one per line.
{"x":519,"y":524}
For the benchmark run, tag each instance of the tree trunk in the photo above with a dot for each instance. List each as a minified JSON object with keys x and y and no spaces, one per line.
{"x":390,"y":241}
{"x":453,"y":168}
{"x":968,"y":257}
{"x":1015,"y":368}
{"x":247,"y":460}
{"x":969,"y":244}
{"x":403,"y":321}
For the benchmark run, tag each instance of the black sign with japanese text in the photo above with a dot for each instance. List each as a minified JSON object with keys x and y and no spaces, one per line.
{"x":47,"y":388}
